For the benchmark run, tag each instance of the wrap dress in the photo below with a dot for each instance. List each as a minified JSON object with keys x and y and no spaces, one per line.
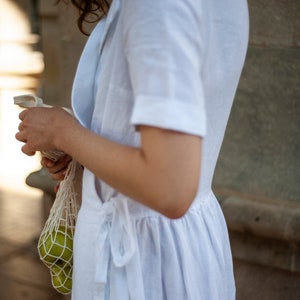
{"x":175,"y":65}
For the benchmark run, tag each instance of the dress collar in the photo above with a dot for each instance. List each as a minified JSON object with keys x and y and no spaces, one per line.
{"x":83,"y":86}
{"x":111,"y":16}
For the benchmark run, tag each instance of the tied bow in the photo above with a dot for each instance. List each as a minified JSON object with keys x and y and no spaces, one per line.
{"x":115,"y":237}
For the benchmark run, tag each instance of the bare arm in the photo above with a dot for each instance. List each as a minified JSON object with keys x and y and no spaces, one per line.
{"x":162,"y":174}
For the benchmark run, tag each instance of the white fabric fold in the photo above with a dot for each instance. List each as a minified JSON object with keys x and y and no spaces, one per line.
{"x":116,"y":237}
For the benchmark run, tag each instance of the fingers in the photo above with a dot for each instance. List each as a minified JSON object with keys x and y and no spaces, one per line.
{"x":21,"y":126}
{"x":56,"y":188}
{"x":30,"y":133}
{"x":23,"y":114}
{"x":59,"y":175}
{"x":57,"y":169}
{"x":27,"y":150}
{"x":21,"y":136}
{"x":49,"y":164}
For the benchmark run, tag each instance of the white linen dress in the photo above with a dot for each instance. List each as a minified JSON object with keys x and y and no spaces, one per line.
{"x":170,"y":64}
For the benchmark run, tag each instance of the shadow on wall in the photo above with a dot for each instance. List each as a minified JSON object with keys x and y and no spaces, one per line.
{"x":20,"y":71}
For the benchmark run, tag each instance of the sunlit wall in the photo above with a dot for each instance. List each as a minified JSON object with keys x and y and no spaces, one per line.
{"x":20,"y":71}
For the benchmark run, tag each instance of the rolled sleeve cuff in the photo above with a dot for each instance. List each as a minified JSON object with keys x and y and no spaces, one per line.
{"x":172,"y":115}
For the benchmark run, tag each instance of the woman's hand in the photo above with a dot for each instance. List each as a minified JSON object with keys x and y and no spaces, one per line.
{"x":58,"y":169}
{"x":40,"y":127}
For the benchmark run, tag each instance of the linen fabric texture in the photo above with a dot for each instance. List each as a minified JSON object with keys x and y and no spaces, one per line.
{"x":174,"y":65}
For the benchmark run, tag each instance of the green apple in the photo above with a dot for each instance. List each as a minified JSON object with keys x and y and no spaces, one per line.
{"x":56,"y":246}
{"x":61,"y":279}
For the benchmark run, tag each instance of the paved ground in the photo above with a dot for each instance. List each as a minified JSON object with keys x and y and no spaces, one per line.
{"x":22,"y":276}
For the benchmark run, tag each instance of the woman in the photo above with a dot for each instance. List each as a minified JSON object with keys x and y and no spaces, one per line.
{"x":152,"y":94}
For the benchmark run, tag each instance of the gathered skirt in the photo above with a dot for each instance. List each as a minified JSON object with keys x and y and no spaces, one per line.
{"x":124,"y":250}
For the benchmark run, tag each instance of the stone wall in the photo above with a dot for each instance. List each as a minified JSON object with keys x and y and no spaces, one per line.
{"x":261,"y":152}
{"x":258,"y":172}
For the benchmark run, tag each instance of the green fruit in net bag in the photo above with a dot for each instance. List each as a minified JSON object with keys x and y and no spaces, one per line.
{"x":61,"y":279}
{"x":55,"y":246}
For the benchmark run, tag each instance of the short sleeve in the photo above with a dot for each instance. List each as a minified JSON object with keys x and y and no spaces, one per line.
{"x":163,"y":46}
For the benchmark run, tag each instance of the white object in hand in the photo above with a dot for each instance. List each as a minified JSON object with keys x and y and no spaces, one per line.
{"x":29,"y":100}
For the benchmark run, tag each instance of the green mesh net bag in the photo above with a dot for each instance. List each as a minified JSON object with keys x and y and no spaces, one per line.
{"x":55,"y":245}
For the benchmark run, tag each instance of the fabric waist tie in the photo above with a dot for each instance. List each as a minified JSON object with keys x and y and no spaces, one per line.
{"x":115,"y":236}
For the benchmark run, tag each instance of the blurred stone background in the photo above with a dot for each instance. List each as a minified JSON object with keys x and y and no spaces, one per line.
{"x":258,"y":172}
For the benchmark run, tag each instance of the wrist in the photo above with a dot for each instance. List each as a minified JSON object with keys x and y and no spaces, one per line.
{"x":64,"y":131}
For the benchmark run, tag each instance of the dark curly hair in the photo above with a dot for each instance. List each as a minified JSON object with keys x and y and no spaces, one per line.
{"x":90,"y":11}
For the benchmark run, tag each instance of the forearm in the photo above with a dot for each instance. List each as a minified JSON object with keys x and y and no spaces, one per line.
{"x":144,"y":174}
{"x":106,"y":159}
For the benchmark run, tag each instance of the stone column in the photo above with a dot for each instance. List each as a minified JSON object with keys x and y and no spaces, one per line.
{"x":62,"y":44}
